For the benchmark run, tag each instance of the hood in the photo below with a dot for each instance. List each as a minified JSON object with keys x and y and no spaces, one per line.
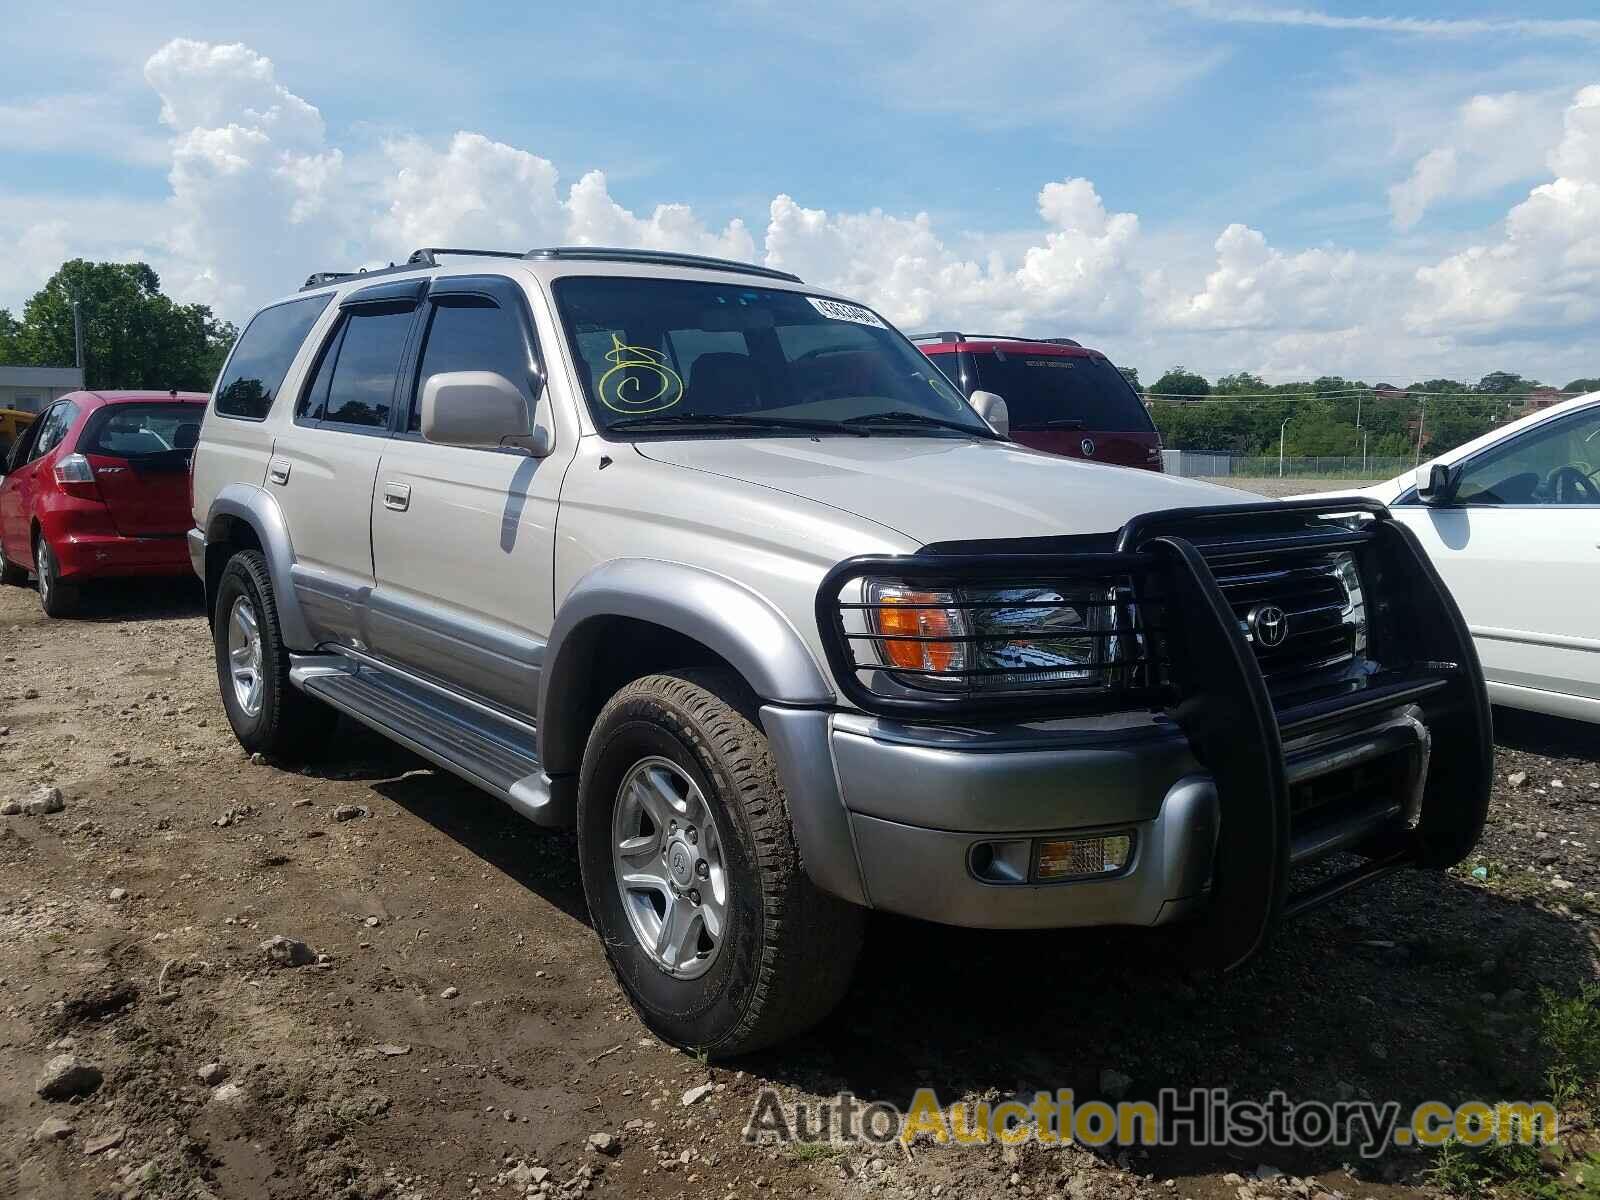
{"x":945,"y":489}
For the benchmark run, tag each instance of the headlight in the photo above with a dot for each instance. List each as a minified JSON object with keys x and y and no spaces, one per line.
{"x":989,"y":639}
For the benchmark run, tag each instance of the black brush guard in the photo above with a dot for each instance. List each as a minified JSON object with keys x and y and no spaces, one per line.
{"x":1196,"y":665}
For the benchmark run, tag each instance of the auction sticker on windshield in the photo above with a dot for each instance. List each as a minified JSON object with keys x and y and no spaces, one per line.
{"x":840,"y":311}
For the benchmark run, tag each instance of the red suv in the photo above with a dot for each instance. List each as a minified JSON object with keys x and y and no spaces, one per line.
{"x":98,"y":487}
{"x":1062,"y":397}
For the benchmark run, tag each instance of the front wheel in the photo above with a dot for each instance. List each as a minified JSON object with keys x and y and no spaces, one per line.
{"x":719,"y":938}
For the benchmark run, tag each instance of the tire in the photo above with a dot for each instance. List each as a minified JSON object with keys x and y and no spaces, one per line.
{"x":785,"y":952}
{"x":11,"y":574}
{"x":56,"y":598}
{"x":276,"y":718}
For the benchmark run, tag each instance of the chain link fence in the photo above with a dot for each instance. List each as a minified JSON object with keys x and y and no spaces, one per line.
{"x":1210,"y":465}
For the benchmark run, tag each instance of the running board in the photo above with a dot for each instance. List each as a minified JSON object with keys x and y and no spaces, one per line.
{"x":495,"y":752}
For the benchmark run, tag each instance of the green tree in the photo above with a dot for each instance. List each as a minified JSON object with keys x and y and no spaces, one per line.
{"x":133,"y":335}
{"x":1179,"y":382}
{"x":1583,"y":385}
{"x":1131,"y":374}
{"x":1502,"y":383}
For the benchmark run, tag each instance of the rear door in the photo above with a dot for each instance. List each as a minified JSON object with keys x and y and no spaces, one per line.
{"x":323,"y":464}
{"x":1069,"y":401}
{"x":21,"y":490}
{"x":140,"y":454}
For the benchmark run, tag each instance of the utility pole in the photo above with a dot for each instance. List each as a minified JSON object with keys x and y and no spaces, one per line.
{"x":1363,"y":453}
{"x":1358,"y":426}
{"x":77,"y":333}
{"x":1282,"y":429}
{"x":1422,"y":423}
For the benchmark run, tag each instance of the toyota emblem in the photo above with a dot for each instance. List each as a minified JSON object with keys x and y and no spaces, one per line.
{"x":1269,"y":625}
{"x":1087,"y":446}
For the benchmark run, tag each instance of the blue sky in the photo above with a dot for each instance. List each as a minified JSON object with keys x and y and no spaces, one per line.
{"x":1294,"y":123}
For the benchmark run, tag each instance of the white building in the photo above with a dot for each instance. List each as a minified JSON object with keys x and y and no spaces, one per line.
{"x":31,"y":388}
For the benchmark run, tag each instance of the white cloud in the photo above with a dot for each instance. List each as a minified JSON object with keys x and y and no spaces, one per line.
{"x":255,"y":191}
{"x":1542,"y":279}
{"x":1491,"y":140}
{"x":81,"y":123}
{"x":1254,"y":286}
{"x":1441,"y":27}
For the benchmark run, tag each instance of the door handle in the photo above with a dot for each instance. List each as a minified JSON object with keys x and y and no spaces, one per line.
{"x":397,"y":496}
{"x":278,"y":471}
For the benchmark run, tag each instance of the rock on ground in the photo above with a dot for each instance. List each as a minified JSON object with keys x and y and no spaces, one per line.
{"x":66,"y":1076}
{"x":287,"y":952}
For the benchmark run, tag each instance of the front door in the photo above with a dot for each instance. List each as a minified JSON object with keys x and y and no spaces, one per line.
{"x":463,"y":539}
{"x":1519,"y":548}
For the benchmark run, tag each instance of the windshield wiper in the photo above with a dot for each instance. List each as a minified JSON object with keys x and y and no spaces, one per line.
{"x":902,"y":417}
{"x":746,"y":421}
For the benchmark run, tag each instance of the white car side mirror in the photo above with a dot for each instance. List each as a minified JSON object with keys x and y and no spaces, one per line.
{"x":993,"y":410}
{"x":479,"y":410}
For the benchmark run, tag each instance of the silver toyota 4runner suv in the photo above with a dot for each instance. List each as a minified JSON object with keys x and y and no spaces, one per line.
{"x":717,"y":569}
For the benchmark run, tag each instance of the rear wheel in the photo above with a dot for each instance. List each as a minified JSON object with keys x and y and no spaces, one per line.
{"x":58,"y":599}
{"x":269,"y":714}
{"x":721,"y":941}
{"x":11,"y":574}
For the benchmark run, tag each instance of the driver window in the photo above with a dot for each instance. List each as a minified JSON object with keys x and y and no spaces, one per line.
{"x":1558,"y":463}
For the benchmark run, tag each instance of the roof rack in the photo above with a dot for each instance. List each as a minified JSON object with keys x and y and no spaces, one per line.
{"x":660,"y":257}
{"x":428,"y":256}
{"x":950,"y":335}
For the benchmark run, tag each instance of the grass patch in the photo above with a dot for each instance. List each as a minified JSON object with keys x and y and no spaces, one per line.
{"x":1569,"y":1033}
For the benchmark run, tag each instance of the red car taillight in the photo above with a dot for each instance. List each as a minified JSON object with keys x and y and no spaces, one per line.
{"x":76,"y":477}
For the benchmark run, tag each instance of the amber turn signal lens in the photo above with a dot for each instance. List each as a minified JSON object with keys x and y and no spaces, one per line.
{"x":899,"y":617}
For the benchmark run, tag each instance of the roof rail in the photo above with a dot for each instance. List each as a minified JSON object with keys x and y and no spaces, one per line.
{"x":951,"y":335}
{"x":427,"y":256}
{"x":660,"y":257}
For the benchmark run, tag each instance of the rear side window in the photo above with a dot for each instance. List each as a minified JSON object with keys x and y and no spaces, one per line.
{"x":141,"y":430}
{"x":53,"y":427}
{"x":1061,"y":391}
{"x":354,"y":380}
{"x":470,"y":333}
{"x":261,"y":359}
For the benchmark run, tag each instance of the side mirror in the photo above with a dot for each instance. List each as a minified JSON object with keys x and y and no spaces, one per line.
{"x":993,"y":410}
{"x":1435,"y":483}
{"x":480,"y":410}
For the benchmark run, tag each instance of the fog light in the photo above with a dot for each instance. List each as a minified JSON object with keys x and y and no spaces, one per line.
{"x":1083,"y":858}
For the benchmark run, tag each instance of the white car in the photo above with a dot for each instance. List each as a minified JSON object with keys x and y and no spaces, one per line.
{"x":1511,"y":521}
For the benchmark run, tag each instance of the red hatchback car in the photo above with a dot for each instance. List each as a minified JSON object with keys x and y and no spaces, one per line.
{"x":98,"y":488}
{"x":1061,"y":397}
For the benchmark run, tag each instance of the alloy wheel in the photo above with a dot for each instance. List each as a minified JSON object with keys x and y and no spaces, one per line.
{"x":668,"y":864}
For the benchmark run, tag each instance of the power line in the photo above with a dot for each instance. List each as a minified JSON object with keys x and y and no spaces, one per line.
{"x":1351,"y":393}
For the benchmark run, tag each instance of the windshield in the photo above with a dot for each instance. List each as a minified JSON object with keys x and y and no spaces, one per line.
{"x":1044,"y":391}
{"x":142,"y":430}
{"x":656,"y":355}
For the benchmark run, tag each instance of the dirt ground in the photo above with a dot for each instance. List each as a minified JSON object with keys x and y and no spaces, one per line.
{"x":463,"y":1037}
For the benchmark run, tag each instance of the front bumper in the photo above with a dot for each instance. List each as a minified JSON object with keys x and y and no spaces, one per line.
{"x":1225,"y":786}
{"x":910,"y":805}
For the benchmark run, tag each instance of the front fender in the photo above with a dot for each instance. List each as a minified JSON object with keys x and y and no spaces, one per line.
{"x":726,"y":617}
{"x":259,"y":510}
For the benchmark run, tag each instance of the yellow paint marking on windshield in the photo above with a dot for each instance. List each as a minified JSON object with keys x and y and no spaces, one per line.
{"x":623,"y":388}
